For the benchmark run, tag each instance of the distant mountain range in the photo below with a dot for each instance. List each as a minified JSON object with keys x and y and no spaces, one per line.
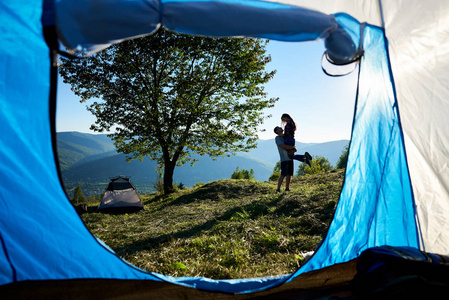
{"x":89,"y":160}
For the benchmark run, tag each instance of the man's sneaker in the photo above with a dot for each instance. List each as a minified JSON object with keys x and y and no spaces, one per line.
{"x":278,"y":191}
{"x":287,"y":190}
{"x":308,"y":159}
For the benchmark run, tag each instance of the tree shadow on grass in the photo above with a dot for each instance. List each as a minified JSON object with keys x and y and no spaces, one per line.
{"x":156,"y":242}
{"x":252,"y":210}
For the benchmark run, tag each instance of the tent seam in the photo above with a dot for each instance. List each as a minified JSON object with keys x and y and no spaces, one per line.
{"x":5,"y":250}
{"x":161,"y":11}
{"x":390,"y":71}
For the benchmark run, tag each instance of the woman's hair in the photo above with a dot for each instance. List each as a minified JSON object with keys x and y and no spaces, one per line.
{"x":287,"y":116}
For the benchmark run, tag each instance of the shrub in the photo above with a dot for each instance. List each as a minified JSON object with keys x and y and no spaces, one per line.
{"x":343,"y":160}
{"x":320,"y":165}
{"x":276,"y":172}
{"x":198,"y":184}
{"x":78,"y":195}
{"x":243,"y":174}
{"x":275,"y":176}
{"x":158,"y":184}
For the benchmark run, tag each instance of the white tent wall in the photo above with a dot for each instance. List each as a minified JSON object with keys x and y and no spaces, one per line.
{"x":418,"y":33}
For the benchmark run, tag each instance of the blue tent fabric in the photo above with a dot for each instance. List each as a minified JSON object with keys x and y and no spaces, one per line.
{"x":376,"y":204}
{"x":24,"y":85}
{"x":218,"y":18}
{"x":249,"y":18}
{"x":42,"y":236}
{"x":242,"y":286}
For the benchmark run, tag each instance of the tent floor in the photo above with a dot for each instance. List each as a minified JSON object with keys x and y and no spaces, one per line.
{"x":333,"y":281}
{"x":389,"y":277}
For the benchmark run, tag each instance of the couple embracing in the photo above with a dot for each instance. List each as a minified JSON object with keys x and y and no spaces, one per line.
{"x":285,"y":141}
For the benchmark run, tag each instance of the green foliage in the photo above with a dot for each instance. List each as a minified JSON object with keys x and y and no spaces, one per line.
{"x":320,"y":165}
{"x":242,"y":174}
{"x":240,"y":215}
{"x":343,"y":159}
{"x":78,"y":195}
{"x":93,"y":197}
{"x":158,"y":184}
{"x":276,"y":172}
{"x":170,"y":95}
{"x":198,"y":184}
{"x":274,"y":176}
{"x":178,"y":265}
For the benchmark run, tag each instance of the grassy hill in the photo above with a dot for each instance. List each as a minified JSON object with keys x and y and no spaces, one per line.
{"x":224,"y":229}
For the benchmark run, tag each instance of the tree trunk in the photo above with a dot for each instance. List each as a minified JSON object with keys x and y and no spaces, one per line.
{"x":169,"y":169}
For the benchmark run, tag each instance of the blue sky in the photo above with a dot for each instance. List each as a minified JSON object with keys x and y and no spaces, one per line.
{"x":322,"y":106}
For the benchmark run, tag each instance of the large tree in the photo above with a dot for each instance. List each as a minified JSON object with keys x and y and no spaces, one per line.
{"x":169,"y":95}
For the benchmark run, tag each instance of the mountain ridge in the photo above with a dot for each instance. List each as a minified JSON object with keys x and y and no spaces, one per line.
{"x":89,"y":160}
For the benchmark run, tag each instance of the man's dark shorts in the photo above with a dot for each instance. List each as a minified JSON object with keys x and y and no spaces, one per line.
{"x":287,"y":168}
